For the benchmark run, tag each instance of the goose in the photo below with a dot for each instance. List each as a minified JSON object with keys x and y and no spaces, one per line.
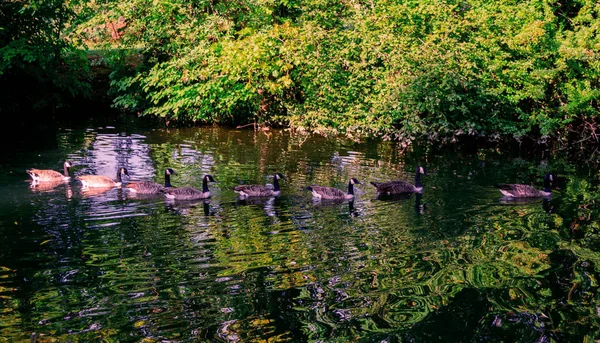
{"x":322,"y":192}
{"x":516,"y":190}
{"x":189,"y":193}
{"x":260,"y":190}
{"x":151,"y":187}
{"x":101,"y":181}
{"x":45,"y":175}
{"x":401,"y":187}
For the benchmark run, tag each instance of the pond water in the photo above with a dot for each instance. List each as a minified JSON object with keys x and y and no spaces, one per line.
{"x":457,"y":263}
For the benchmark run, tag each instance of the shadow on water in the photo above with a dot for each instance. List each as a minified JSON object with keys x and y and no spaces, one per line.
{"x":419,"y":206}
{"x":185,"y":206}
{"x":337,"y":204}
{"x":454,"y":263}
{"x":546,"y":203}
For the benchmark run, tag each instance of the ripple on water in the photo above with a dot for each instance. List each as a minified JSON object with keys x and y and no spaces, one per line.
{"x":85,"y":265}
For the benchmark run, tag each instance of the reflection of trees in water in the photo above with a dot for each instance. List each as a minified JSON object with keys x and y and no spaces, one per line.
{"x":452,"y":264}
{"x":505,"y":254}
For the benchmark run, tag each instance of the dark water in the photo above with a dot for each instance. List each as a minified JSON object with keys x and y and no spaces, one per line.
{"x":455,"y":264}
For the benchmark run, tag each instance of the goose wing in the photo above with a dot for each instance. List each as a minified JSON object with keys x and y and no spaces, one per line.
{"x":99,"y":181}
{"x":254,"y":190}
{"x":394,"y":187}
{"x":145,"y":187}
{"x":185,"y":193}
{"x":327,"y":192}
{"x":45,"y":175}
{"x":518,"y":190}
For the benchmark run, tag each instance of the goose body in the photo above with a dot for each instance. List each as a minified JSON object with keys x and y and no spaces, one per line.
{"x":260,"y":190}
{"x":396,"y":187}
{"x":322,"y":192}
{"x":150,"y":187}
{"x":48,"y":175}
{"x":189,"y":193}
{"x":400,"y":186}
{"x":101,"y":181}
{"x":516,"y":190}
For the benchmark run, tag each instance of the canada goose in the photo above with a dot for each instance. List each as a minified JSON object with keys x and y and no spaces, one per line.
{"x":322,"y":192}
{"x":515,"y":190}
{"x":260,"y":190}
{"x":101,"y":181}
{"x":151,"y":187}
{"x":401,"y":187}
{"x":189,"y":193}
{"x":44,"y":175}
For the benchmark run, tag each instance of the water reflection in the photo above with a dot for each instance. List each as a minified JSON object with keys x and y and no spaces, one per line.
{"x":185,"y":206}
{"x":52,"y":187}
{"x":89,"y":264}
{"x":546,"y":203}
{"x":87,"y":192}
{"x":336,"y":204}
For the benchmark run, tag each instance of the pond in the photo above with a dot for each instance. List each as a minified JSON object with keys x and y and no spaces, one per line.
{"x":456,"y":263}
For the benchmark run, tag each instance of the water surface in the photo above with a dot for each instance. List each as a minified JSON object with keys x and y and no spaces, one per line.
{"x":456,"y":263}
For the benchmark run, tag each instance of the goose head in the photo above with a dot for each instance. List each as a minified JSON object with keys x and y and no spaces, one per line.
{"x":209,"y":177}
{"x":68,"y":164}
{"x":123,"y":171}
{"x":422,"y":171}
{"x":279,"y":176}
{"x":170,"y":171}
{"x":354,"y":181}
{"x":549,"y":181}
{"x":550,"y":177}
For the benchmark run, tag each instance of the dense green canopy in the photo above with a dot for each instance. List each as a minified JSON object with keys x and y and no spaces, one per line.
{"x":391,"y":68}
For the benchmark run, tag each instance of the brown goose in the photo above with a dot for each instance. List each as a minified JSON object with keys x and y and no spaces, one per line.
{"x":150,"y":187}
{"x":516,"y":190}
{"x":260,"y":190}
{"x":322,"y":192}
{"x":46,"y":175}
{"x":101,"y":181}
{"x":189,"y":193}
{"x":401,"y":187}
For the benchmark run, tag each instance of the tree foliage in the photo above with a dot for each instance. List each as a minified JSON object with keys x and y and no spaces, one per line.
{"x":354,"y":67}
{"x":39,"y":65}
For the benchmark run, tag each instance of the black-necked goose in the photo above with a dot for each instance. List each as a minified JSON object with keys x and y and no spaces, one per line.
{"x":46,"y":175}
{"x":260,"y":190}
{"x":151,"y":187}
{"x":516,"y":190}
{"x":189,"y":193}
{"x":101,"y":181}
{"x":400,"y":186}
{"x":322,"y":192}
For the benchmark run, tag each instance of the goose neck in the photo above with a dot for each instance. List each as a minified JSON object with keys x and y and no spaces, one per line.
{"x":205,"y":184}
{"x":547,"y":186}
{"x":418,"y":183}
{"x":167,"y":180}
{"x":66,"y":170}
{"x":350,"y":188}
{"x":276,"y":184}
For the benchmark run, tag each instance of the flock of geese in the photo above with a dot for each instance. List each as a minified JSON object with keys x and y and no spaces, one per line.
{"x":390,"y":188}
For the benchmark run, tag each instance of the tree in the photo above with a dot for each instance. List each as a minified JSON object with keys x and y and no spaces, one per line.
{"x":39,"y":66}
